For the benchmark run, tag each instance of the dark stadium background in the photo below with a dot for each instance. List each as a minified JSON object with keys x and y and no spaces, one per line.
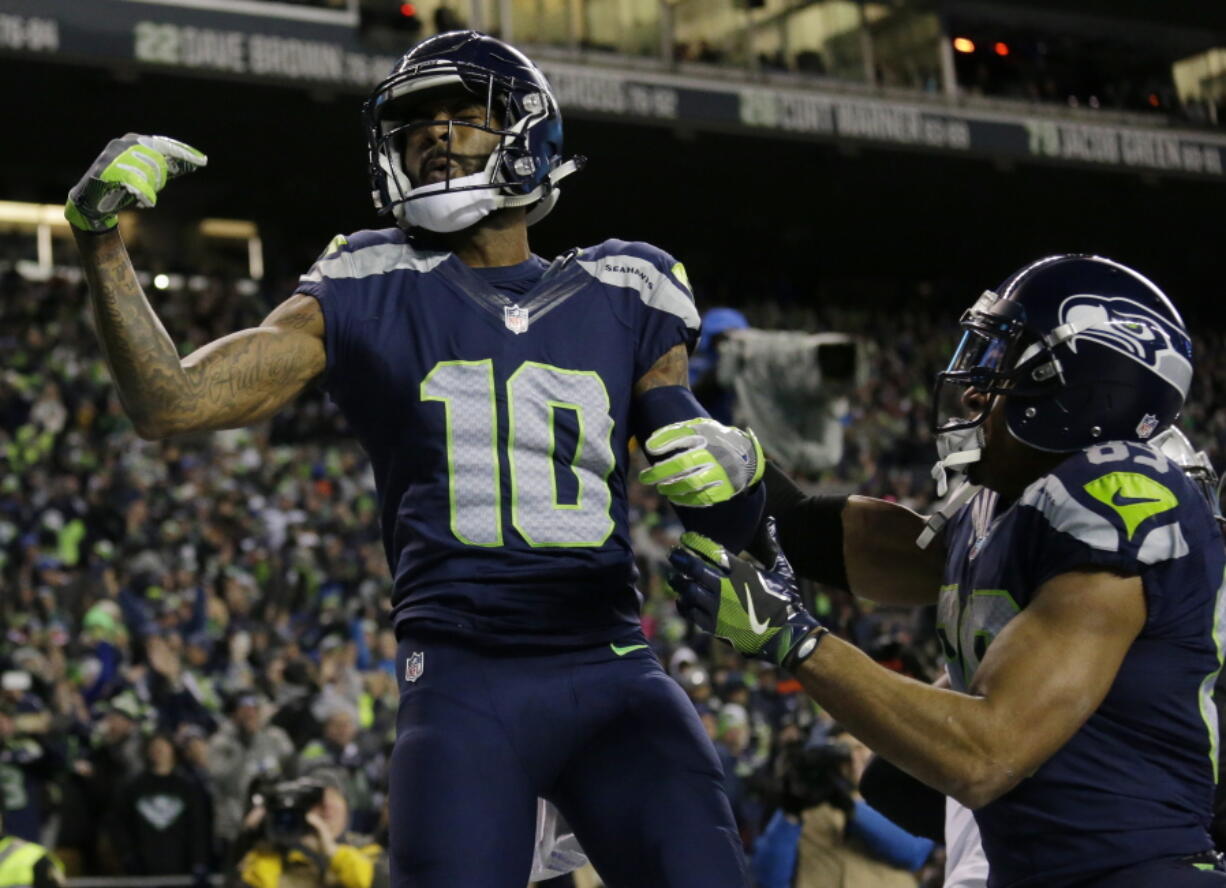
{"x":740,"y":211}
{"x":798,"y":231}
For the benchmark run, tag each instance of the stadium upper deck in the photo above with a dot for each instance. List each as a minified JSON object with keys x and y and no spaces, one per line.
{"x":1109,"y":87}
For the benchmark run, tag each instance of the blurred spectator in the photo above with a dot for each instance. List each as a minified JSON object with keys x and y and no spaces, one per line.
{"x":25,"y":864}
{"x":159,"y":825}
{"x":25,"y":769}
{"x":242,"y":751}
{"x":142,"y":584}
{"x":193,"y":754}
{"x":824,"y":835}
{"x":317,"y":853}
{"x":337,"y":752}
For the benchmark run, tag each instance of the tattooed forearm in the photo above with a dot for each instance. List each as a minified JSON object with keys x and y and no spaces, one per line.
{"x":141,"y":355}
{"x":236,"y":380}
{"x":673,"y":368}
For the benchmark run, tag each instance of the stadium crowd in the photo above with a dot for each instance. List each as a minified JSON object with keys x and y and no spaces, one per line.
{"x":185,"y":620}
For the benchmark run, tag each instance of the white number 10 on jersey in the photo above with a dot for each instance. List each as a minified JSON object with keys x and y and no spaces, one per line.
{"x":535,"y":392}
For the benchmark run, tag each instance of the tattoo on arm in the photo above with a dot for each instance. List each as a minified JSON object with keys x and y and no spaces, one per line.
{"x":673,"y":368}
{"x":234,"y":381}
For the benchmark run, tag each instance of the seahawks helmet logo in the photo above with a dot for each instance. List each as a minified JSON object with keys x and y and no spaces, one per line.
{"x":1133,"y":330}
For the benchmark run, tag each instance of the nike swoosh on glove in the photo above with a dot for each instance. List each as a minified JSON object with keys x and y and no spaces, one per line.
{"x":758,"y":611}
{"x":129,"y":171}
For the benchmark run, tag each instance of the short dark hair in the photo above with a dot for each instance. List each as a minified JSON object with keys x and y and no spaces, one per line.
{"x":159,"y":735}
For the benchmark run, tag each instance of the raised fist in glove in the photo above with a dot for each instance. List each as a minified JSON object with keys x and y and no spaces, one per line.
{"x":702,"y":462}
{"x":131,"y":170}
{"x":758,"y":611}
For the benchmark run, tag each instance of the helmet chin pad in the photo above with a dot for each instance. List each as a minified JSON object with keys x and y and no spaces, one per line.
{"x":455,"y":204}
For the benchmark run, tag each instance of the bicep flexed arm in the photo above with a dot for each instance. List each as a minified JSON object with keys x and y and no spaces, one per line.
{"x":239,"y":379}
{"x":250,"y":375}
{"x":231,"y":382}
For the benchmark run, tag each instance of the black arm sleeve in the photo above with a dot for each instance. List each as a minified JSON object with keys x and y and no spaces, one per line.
{"x":810,"y":529}
{"x":913,"y":805}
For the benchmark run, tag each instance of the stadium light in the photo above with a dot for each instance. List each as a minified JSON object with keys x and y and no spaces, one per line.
{"x":1001,"y":48}
{"x":161,"y":281}
{"x":20,"y":213}
{"x":239,"y":229}
{"x":43,"y":220}
{"x":964,"y":44}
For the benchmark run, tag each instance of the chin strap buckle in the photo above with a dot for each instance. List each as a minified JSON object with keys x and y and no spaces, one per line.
{"x":937,"y":521}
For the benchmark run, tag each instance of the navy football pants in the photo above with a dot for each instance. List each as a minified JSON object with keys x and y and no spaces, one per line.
{"x":612,"y":741}
{"x":1168,"y":873}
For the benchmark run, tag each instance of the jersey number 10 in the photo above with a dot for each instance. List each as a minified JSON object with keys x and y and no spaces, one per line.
{"x":535,"y":393}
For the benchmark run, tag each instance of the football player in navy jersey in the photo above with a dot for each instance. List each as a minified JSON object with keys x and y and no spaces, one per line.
{"x":1078,"y":581}
{"x":496,"y":394}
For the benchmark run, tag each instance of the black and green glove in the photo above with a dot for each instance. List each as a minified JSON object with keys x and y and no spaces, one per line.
{"x":130,"y":170}
{"x":758,"y":611}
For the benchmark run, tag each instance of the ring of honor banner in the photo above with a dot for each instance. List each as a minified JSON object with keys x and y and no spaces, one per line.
{"x":307,"y":47}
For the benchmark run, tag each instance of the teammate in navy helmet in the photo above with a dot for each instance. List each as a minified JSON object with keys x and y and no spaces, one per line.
{"x":1078,"y":581}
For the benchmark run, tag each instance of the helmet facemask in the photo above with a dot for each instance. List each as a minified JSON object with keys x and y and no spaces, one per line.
{"x":983,"y":361}
{"x":510,"y":176}
{"x":1175,"y":446}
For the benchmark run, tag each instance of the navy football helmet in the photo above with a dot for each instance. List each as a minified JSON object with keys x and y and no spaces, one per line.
{"x":1084,"y":350}
{"x":523,"y":170}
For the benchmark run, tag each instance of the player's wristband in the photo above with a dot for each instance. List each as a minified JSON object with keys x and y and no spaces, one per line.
{"x":804,"y":650}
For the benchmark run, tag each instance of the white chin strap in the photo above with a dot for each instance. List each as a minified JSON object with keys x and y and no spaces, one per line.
{"x":937,"y":520}
{"x":442,"y":207}
{"x":955,"y":451}
{"x":439,"y":207}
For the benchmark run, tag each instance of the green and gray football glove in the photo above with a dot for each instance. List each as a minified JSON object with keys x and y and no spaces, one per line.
{"x":758,"y":611}
{"x":131,"y":170}
{"x":706,"y":462}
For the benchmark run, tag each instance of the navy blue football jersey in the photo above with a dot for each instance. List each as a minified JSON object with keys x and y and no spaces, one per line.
{"x":495,"y":407}
{"x":1136,"y":781}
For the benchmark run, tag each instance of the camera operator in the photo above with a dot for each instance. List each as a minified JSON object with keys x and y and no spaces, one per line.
{"x":789,"y":386}
{"x":296,"y":835}
{"x":824,"y":834}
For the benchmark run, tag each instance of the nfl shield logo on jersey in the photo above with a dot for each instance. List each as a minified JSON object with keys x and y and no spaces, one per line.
{"x":1146,"y":426}
{"x":515,"y":318}
{"x":414,"y":666}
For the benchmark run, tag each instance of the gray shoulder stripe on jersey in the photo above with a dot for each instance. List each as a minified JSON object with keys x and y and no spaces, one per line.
{"x":654,"y":287}
{"x":1165,"y":543}
{"x":372,"y":260}
{"x":1065,"y":514}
